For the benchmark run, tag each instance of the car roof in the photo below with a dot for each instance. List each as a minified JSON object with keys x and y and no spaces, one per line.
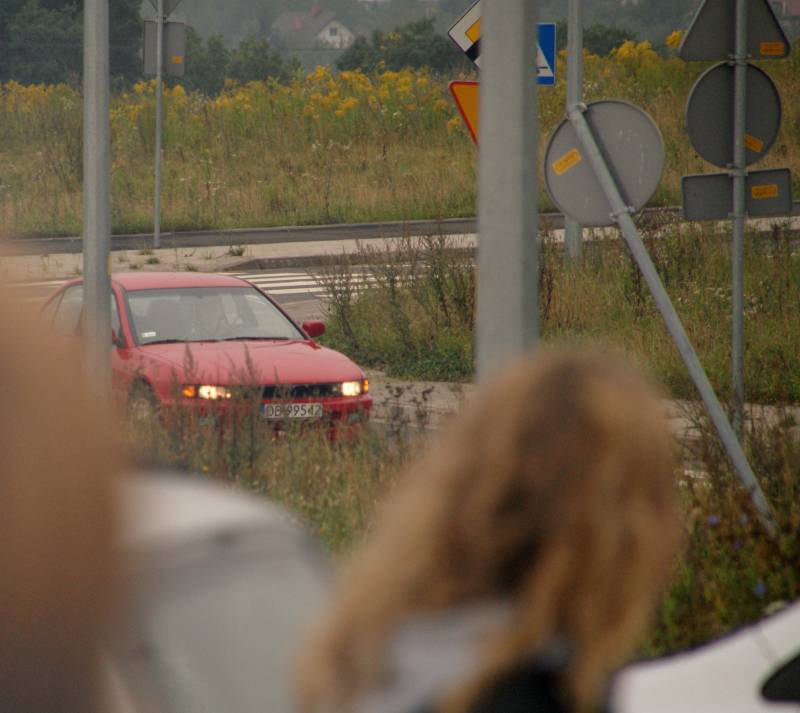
{"x":133,"y":281}
{"x":159,"y":509}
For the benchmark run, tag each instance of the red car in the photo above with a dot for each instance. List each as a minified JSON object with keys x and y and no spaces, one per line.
{"x":205,"y":341}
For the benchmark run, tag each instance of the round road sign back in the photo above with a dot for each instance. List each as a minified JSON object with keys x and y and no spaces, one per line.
{"x":709,"y":114}
{"x":634,"y":151}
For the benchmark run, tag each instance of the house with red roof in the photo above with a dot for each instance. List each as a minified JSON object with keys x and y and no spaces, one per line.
{"x":317,"y":27}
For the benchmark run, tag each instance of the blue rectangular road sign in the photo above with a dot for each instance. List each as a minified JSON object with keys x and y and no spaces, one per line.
{"x":546,"y":54}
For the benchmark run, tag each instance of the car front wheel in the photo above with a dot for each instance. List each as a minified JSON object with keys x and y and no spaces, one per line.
{"x":142,"y":406}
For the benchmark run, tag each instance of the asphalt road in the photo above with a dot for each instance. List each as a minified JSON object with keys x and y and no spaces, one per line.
{"x":286,"y":234}
{"x":253,"y":236}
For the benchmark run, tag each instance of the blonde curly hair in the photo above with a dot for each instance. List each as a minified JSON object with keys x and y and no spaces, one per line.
{"x":555,"y":493}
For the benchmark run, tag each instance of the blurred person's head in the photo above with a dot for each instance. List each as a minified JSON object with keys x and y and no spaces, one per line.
{"x":554,"y":493}
{"x":58,"y":455}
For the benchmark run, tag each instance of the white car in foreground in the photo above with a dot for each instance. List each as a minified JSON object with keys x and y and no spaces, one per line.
{"x":753,"y":670}
{"x":220,"y":588}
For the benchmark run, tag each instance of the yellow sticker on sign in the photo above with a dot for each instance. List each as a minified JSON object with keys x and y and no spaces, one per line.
{"x":772,"y":49}
{"x":767,"y":190}
{"x":754,"y":144}
{"x":567,"y":161}
{"x":177,"y":59}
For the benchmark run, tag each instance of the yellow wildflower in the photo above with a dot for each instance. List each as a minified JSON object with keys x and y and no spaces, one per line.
{"x":627,"y":50}
{"x":674,"y":40}
{"x":454,"y":124}
{"x":320,"y":74}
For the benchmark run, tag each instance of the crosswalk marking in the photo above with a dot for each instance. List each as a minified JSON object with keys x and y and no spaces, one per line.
{"x":295,"y":283}
{"x":281,"y":284}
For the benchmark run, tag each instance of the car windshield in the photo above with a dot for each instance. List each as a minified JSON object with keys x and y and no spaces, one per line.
{"x":200,"y":314}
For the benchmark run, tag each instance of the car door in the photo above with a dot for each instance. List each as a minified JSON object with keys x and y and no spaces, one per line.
{"x":63,"y":316}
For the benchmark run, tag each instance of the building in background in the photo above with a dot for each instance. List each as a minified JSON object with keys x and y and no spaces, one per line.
{"x":315,"y":28}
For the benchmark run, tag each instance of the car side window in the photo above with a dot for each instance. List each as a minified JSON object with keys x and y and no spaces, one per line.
{"x":68,"y":314}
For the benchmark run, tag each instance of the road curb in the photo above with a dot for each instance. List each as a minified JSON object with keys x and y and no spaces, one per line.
{"x":275,"y":263}
{"x":272,"y":263}
{"x":27,"y":245}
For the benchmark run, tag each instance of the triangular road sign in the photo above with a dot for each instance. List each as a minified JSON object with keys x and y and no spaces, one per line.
{"x":712,"y":34}
{"x":169,"y":6}
{"x":467,"y":97}
{"x":466,"y":33}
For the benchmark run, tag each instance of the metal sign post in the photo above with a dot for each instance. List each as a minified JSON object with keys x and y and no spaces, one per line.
{"x":159,"y":121}
{"x":573,"y":232}
{"x":733,"y":116}
{"x":96,"y":197}
{"x":507,"y":314}
{"x":621,"y":213}
{"x":603,"y":163}
{"x":739,"y":171}
{"x":174,"y":34}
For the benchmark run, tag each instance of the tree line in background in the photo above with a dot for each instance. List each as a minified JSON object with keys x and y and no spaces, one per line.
{"x":417,"y":44}
{"x":41,"y":40}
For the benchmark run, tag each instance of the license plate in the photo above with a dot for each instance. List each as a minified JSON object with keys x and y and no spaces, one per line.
{"x":281,"y":411}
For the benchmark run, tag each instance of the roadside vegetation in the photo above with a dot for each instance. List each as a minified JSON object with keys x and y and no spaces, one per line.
{"x":318,"y":148}
{"x":730,"y":573}
{"x":414,"y":320}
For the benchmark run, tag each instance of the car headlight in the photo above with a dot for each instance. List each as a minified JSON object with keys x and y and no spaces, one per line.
{"x":206,"y":391}
{"x":355,"y":388}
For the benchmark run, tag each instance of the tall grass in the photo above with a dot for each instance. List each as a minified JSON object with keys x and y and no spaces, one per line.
{"x":730,"y":573}
{"x":323,"y":149}
{"x":415,"y":319}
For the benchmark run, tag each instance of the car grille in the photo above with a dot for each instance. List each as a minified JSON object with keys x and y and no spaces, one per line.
{"x":301,"y":391}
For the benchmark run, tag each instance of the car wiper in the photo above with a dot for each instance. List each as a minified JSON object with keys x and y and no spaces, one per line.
{"x":165,"y":341}
{"x":260,"y":339}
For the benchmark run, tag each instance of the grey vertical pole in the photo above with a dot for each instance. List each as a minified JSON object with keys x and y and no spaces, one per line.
{"x":573,"y":232}
{"x":159,"y":122}
{"x":507,"y":319}
{"x":739,"y":209}
{"x":96,"y":197}
{"x":622,"y":214}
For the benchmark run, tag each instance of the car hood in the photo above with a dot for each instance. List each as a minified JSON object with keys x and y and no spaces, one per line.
{"x":260,"y":362}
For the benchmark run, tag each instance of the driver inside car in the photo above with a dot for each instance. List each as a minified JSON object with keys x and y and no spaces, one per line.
{"x":210,"y":320}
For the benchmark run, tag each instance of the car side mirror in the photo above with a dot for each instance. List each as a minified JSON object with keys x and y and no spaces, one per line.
{"x":314,"y":328}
